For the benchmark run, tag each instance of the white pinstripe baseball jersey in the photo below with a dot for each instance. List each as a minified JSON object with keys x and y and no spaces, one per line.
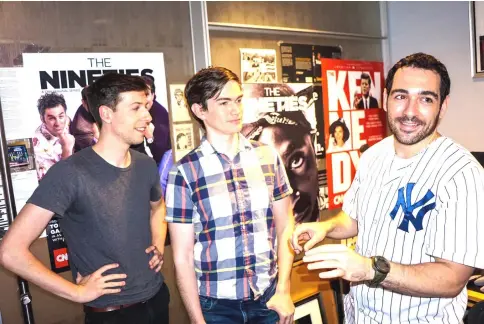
{"x":412,"y":211}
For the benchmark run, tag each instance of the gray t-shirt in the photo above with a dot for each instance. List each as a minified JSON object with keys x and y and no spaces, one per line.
{"x":104,"y":213}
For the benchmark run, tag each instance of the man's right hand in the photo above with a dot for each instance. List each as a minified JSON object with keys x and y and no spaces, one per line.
{"x":308,"y":234}
{"x":95,"y":285}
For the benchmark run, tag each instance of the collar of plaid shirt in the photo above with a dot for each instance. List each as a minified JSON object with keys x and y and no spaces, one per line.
{"x":207,"y":148}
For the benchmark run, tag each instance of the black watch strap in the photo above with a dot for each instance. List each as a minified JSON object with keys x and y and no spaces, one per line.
{"x":381,"y":267}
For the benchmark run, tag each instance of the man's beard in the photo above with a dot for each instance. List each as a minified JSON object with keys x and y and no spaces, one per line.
{"x":418,"y":137}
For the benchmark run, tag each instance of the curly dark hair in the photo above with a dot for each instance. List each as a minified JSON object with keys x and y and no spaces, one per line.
{"x":207,"y":84}
{"x":342,"y":124}
{"x":50,"y":100}
{"x":425,"y":62}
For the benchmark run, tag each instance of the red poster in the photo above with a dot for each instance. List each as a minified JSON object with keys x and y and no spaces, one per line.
{"x":354,"y":119}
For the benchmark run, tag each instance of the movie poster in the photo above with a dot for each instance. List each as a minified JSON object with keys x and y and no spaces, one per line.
{"x":352,"y":92}
{"x":283,"y":115}
{"x":258,"y":65}
{"x":57,"y":134}
{"x":301,"y":63}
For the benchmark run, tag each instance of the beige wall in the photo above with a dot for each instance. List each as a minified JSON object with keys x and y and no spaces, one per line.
{"x":338,"y":16}
{"x":442,"y":29}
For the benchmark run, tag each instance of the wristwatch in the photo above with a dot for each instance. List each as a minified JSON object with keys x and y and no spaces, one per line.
{"x":381,"y":267}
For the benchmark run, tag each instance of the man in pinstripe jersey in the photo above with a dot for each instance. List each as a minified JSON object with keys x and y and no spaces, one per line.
{"x":416,"y":206}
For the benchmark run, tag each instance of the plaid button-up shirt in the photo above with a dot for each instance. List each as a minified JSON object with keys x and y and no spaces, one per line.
{"x":230,"y":205}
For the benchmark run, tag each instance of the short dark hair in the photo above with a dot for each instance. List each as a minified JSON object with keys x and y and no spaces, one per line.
{"x":106,"y":91}
{"x":425,"y":62}
{"x":340,"y":123}
{"x":207,"y":84}
{"x":50,"y":100}
{"x":150,"y":82}
{"x":366,"y":76}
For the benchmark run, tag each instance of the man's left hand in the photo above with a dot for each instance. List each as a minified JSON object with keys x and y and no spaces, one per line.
{"x":157,"y":260}
{"x":342,"y":260}
{"x":283,"y":305}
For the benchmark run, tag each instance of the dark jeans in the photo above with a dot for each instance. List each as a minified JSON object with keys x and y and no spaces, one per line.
{"x":225,"y":311}
{"x":152,"y":311}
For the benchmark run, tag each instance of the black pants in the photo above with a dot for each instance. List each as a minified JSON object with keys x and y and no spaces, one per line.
{"x":153,"y":311}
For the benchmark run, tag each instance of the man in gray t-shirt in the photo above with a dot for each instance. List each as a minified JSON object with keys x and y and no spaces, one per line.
{"x":108,"y":199}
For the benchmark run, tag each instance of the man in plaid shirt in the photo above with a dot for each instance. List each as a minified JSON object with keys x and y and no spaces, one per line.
{"x":228,"y":203}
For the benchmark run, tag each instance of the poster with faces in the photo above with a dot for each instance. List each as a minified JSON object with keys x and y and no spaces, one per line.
{"x":183,"y":139}
{"x":283,"y":116}
{"x":178,"y":108}
{"x":352,"y":101}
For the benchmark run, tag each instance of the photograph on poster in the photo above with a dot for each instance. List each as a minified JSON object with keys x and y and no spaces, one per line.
{"x":183,"y":139}
{"x":282,"y":115}
{"x":310,"y":311}
{"x":179,"y":107}
{"x":339,"y":135}
{"x":258,"y":65}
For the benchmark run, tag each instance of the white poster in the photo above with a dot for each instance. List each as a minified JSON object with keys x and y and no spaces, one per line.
{"x":53,"y":78}
{"x":258,"y":65}
{"x":68,"y":73}
{"x":18,"y":123}
{"x":183,"y":138}
{"x":178,"y":107}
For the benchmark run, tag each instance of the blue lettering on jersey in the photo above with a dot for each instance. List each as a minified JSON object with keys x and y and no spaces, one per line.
{"x":404,"y":201}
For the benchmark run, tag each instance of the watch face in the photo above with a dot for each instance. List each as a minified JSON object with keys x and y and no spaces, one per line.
{"x":382,"y":264}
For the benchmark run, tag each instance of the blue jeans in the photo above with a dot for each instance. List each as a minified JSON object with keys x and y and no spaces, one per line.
{"x":226,"y":311}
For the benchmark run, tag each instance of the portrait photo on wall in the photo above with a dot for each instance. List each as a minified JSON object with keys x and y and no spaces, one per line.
{"x":183,"y":139}
{"x":258,"y":65}
{"x":282,"y":115}
{"x":178,"y":104}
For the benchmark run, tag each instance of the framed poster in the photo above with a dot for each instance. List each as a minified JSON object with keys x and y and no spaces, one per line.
{"x":476,"y":18}
{"x":310,"y":311}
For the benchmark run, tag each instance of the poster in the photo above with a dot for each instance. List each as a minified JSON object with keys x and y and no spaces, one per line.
{"x":301,"y":63}
{"x":184,"y":139}
{"x":258,"y":65}
{"x":53,"y":106}
{"x":352,"y":92}
{"x":283,"y":115}
{"x":178,"y":107}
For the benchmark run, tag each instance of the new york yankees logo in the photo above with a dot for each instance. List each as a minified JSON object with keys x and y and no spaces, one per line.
{"x":405,"y":201}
